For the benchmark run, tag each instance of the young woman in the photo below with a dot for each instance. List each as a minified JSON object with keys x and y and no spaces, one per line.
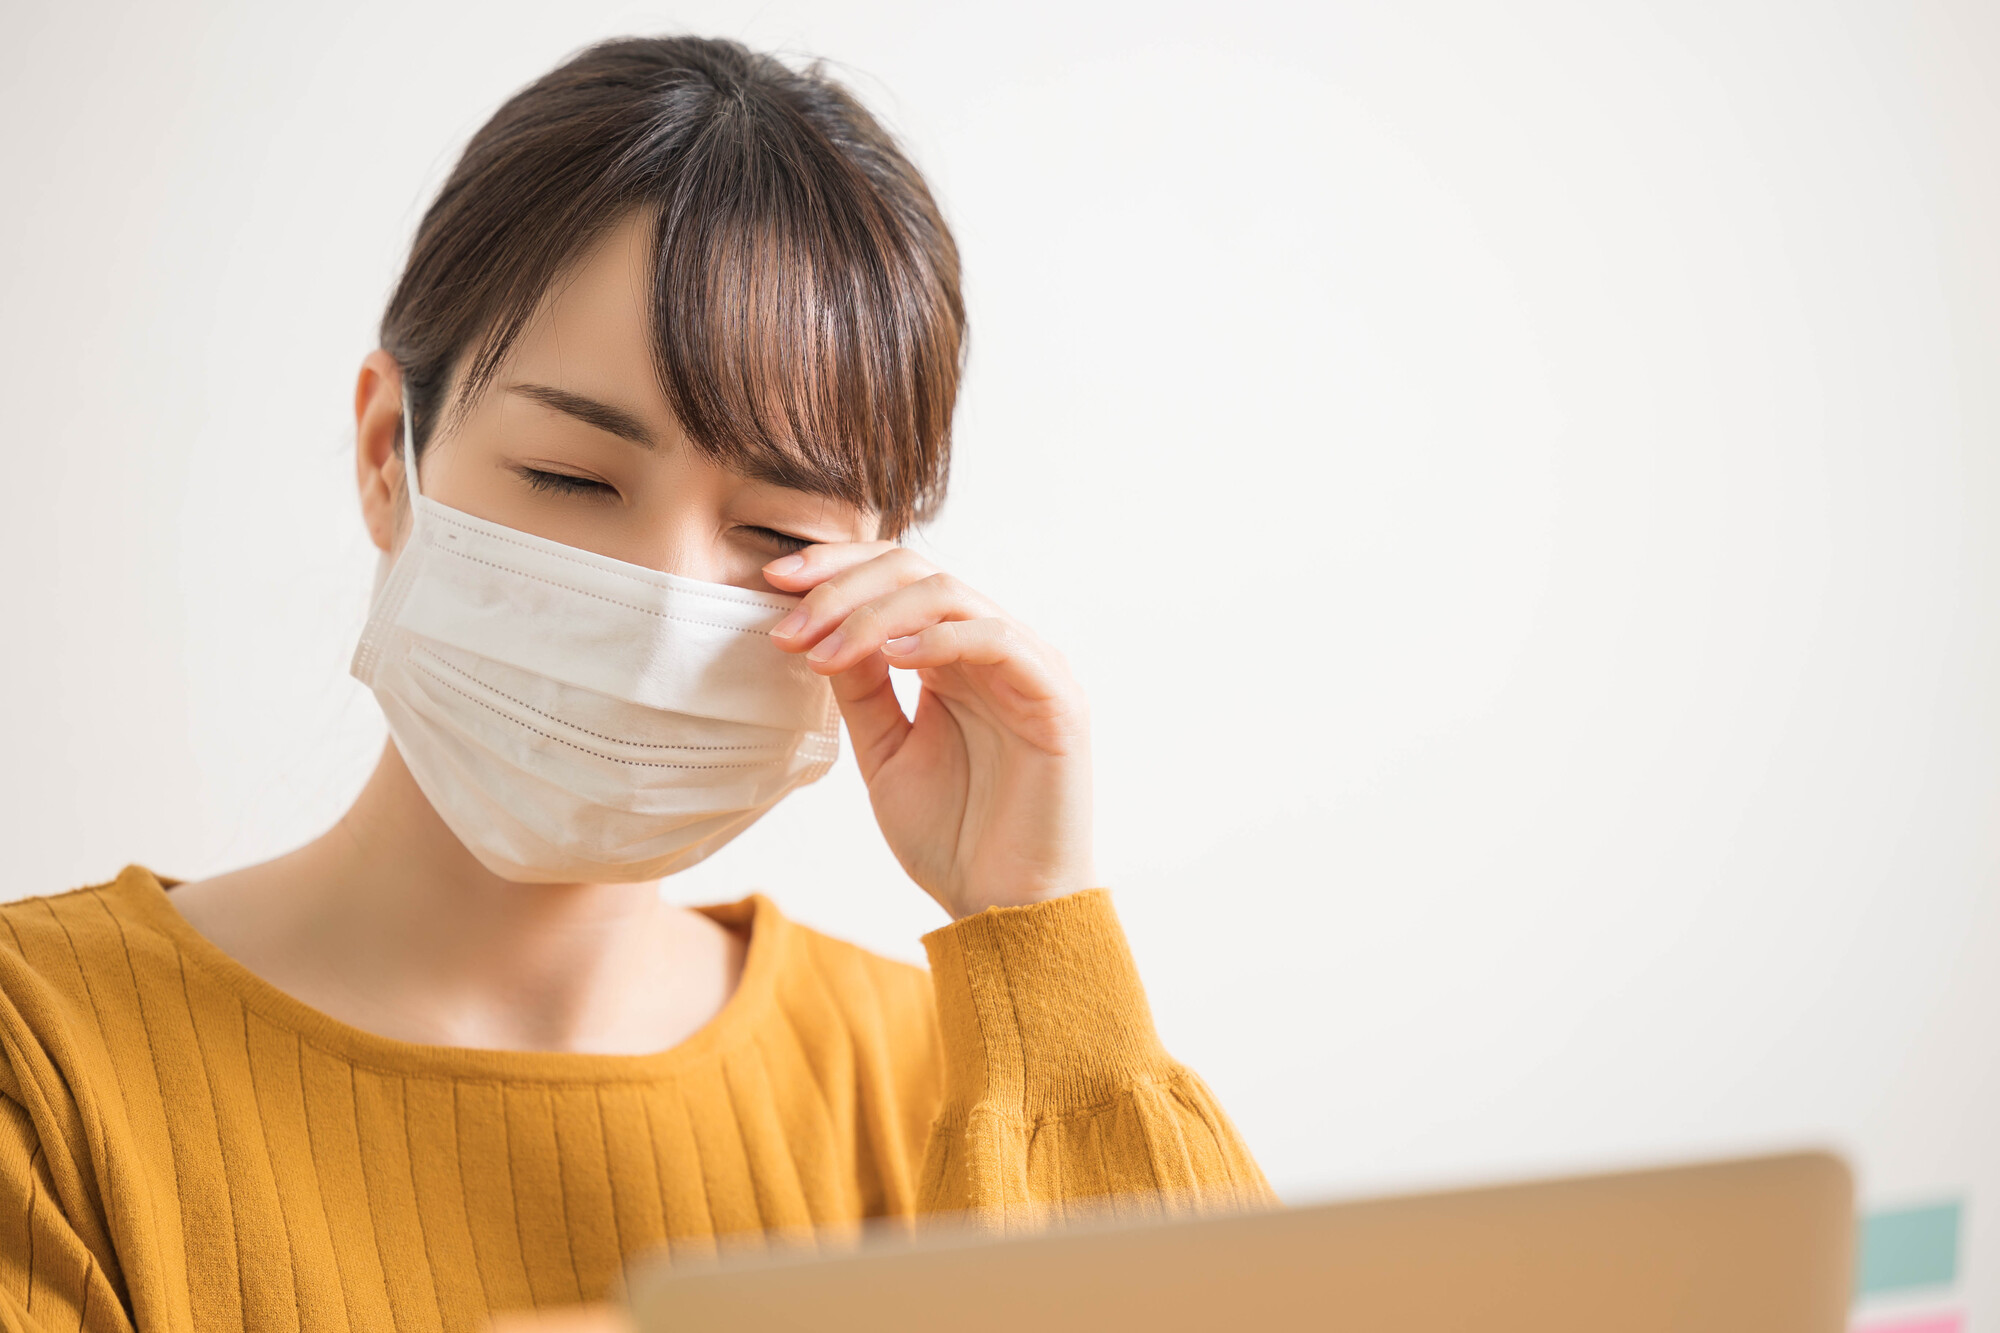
{"x":670,"y":369}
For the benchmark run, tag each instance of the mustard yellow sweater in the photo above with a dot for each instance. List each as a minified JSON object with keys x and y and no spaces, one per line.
{"x":183,"y":1146}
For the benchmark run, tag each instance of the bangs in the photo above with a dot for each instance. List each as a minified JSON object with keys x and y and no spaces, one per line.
{"x":807,"y":326}
{"x":801,"y":335}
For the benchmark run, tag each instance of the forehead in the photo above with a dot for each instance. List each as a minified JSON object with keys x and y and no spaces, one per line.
{"x":593,"y":332}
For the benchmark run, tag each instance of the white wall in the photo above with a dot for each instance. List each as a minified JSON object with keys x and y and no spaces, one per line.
{"x":1519,"y":482}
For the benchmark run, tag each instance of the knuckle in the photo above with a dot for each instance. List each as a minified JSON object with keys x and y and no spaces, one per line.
{"x":934,"y":641}
{"x":907,"y":564}
{"x":823,"y":600}
{"x":863,"y":621}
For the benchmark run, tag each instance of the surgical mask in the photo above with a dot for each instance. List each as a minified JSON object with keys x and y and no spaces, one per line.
{"x":574,"y":718}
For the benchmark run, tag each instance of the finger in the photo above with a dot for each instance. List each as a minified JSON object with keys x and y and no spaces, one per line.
{"x":823,"y":608}
{"x":994,"y":642}
{"x":813,"y":565}
{"x":903,"y":611}
{"x":876,"y":723}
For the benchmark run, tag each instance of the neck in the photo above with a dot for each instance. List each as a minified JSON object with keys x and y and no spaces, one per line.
{"x":388,"y":922}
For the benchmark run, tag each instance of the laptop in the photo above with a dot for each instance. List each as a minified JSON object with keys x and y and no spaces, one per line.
{"x":1758,"y":1244}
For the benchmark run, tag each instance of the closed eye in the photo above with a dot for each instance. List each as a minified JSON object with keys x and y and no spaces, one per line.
{"x":563,"y":483}
{"x":783,"y":541}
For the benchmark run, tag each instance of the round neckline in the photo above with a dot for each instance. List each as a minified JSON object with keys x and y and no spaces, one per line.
{"x":149,"y":900}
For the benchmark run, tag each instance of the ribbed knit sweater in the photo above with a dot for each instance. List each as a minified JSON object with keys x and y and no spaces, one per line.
{"x":183,"y":1146}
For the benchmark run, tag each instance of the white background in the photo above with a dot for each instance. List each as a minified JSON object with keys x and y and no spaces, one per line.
{"x":1518,"y":480}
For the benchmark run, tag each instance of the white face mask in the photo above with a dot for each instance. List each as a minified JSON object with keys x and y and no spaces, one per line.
{"x":574,"y":718}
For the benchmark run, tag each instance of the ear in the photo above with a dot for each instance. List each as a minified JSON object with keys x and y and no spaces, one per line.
{"x":378,"y":446}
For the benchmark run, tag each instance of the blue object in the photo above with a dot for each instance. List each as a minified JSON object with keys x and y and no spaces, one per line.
{"x":1907,"y":1249}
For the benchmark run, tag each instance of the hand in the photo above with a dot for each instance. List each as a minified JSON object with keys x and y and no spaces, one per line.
{"x":984,"y":795}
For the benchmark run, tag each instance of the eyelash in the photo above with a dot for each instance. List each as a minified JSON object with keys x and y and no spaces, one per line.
{"x":562,"y":483}
{"x":783,"y":539}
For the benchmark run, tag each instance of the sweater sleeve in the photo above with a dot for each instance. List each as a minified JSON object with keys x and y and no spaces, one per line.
{"x":1059,"y":1101}
{"x":48,"y":1278}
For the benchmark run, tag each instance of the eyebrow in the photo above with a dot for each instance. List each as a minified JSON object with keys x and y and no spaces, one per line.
{"x":773,"y":467}
{"x":615,"y":420}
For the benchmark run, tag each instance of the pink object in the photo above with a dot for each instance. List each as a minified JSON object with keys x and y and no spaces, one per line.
{"x":1930,"y":1323}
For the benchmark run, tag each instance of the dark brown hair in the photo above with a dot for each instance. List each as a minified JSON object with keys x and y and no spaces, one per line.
{"x":807,"y":323}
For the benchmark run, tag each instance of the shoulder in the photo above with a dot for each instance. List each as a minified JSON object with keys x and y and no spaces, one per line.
{"x":49,"y":943}
{"x":71,"y":966}
{"x":854,"y":972}
{"x":65,"y":940}
{"x":835,"y":991}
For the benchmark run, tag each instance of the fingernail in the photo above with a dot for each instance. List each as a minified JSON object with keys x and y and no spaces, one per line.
{"x":790,"y":625}
{"x":788,"y":564}
{"x":827,"y":648}
{"x":902,"y":647}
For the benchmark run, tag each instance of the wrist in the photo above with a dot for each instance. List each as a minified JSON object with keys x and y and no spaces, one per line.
{"x":1018,"y":893}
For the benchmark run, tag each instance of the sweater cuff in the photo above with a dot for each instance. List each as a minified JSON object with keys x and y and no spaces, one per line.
{"x":1040,"y":1009}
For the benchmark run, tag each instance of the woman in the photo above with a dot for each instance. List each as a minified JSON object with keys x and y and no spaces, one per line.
{"x":671,"y":367}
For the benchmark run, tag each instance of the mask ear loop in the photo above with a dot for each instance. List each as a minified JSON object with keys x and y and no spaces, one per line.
{"x":368,"y":652}
{"x":410,"y":450}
